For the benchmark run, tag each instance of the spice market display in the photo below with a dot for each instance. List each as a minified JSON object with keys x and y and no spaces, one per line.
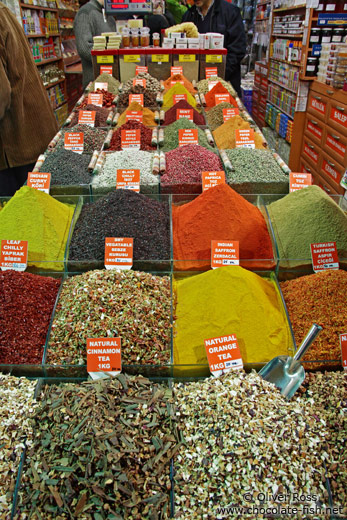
{"x":166,"y":153}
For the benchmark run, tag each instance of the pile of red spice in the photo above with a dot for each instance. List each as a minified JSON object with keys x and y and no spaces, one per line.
{"x":219,"y":214}
{"x":218,"y":89}
{"x":171,"y":114}
{"x":107,"y":98}
{"x":146,"y":136}
{"x":100,"y":116}
{"x":179,"y":78}
{"x":184,"y":166}
{"x":26,"y":306}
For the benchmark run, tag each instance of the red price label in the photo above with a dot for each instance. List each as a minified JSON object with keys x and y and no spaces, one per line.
{"x":100,"y":86}
{"x":86,"y":117}
{"x":74,"y":141}
{"x":182,"y":112}
{"x":179,"y":97}
{"x":136,"y":98}
{"x":131,"y":139}
{"x":211,"y":179}
{"x":297,"y":181}
{"x":211,"y":71}
{"x":128,"y":180}
{"x":39,"y":181}
{"x":343,"y":343}
{"x":224,"y":252}
{"x":140,"y":69}
{"x":104,"y":355}
{"x":221,"y":98}
{"x":324,"y":256}
{"x":95,"y":99}
{"x":106,"y":69}
{"x":223,"y":354}
{"x":119,"y":253}
{"x":187,"y":136}
{"x":228,"y":113}
{"x":176,"y":70}
{"x":244,"y":138}
{"x":14,"y":255}
{"x":134,"y":115}
{"x":139,"y":81}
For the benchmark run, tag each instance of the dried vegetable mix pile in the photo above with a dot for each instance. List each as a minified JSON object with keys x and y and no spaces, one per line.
{"x":241,"y":435}
{"x":112,"y":83}
{"x":171,"y":114}
{"x":26,"y":306}
{"x":214,"y":116}
{"x":149,"y":98}
{"x":93,"y":138}
{"x":44,"y":222}
{"x":146,"y":136}
{"x":184,"y":166}
{"x":219,"y":212}
{"x":102,"y":450}
{"x":171,"y":134}
{"x":179,"y":79}
{"x":225,"y":138}
{"x":152,"y":84}
{"x":101,"y":115}
{"x":122,"y":213}
{"x":177,"y":89}
{"x":226,"y":300}
{"x":204,"y":85}
{"x":67,"y":167}
{"x":318,"y":298}
{"x":306,"y":217}
{"x":17,"y":407}
{"x":130,"y":304}
{"x":148,"y":115}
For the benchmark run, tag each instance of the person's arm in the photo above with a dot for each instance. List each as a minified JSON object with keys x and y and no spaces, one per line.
{"x":84,"y":36}
{"x":235,"y":41}
{"x":5,"y":91}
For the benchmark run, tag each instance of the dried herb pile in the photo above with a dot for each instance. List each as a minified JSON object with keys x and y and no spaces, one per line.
{"x":112,"y":83}
{"x":318,"y":298}
{"x":122,"y":213}
{"x":146,"y":136}
{"x":214,"y":116}
{"x":102,"y":450}
{"x":171,"y":138}
{"x":17,"y":405}
{"x":93,"y":138}
{"x":152,"y":84}
{"x":100,"y":116}
{"x":67,"y":167}
{"x":26,"y":306}
{"x":133,"y":305}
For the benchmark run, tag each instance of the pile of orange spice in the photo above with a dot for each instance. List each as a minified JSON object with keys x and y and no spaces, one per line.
{"x":148,"y":115}
{"x":179,"y":78}
{"x":224,"y":135}
{"x":218,"y":89}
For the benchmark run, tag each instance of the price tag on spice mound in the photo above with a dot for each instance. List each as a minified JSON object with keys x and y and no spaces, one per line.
{"x":98,"y":85}
{"x":103,"y":357}
{"x":244,"y":138}
{"x":211,"y":179}
{"x":223,"y":354}
{"x":14,"y":255}
{"x":179,"y":97}
{"x":212,"y":84}
{"x":228,"y":113}
{"x":131,"y":139}
{"x":134,"y":115}
{"x":324,"y":256}
{"x":39,"y":181}
{"x":106,"y":69}
{"x":140,"y":69}
{"x":224,"y":252}
{"x":86,"y":117}
{"x":95,"y":99}
{"x":136,"y":98}
{"x":176,"y":70}
{"x":221,"y":98}
{"x":184,"y":112}
{"x":211,"y":71}
{"x":187,"y":136}
{"x":297,"y":181}
{"x":74,"y":141}
{"x":119,"y":253}
{"x":128,"y":180}
{"x":343,"y":343}
{"x":139,"y":81}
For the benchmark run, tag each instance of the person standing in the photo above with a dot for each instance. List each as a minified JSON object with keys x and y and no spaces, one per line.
{"x":27,"y":121}
{"x":90,"y":21}
{"x":220,"y":16}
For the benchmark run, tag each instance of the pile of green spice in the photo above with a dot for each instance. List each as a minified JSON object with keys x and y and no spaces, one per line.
{"x":256,"y":171}
{"x":243,"y":439}
{"x":122,"y":213}
{"x":17,"y":405}
{"x":171,"y":138}
{"x":101,"y":451}
{"x":112,"y":83}
{"x":204,"y":84}
{"x":67,"y":168}
{"x":214,"y":115}
{"x":306,"y":217}
{"x":318,"y":298}
{"x":93,"y":138}
{"x":132,"y":305}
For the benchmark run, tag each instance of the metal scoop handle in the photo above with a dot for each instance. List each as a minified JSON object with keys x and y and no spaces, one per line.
{"x":306,"y":342}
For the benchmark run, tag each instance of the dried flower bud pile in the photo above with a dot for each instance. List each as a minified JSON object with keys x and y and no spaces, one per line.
{"x":146,"y":136}
{"x":171,"y":137}
{"x":112,"y":83}
{"x":132,"y":305}
{"x":101,"y":115}
{"x":67,"y":167}
{"x":93,"y":138}
{"x":152,"y":84}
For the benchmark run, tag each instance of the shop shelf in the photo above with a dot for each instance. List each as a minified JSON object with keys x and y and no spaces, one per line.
{"x":45,"y":62}
{"x":38,"y":7}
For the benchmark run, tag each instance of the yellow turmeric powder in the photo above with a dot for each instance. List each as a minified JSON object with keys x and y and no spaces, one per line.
{"x":178,"y":88}
{"x":224,"y":135}
{"x":148,"y":115}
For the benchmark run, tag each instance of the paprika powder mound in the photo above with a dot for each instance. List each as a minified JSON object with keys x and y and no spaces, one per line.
{"x":229,"y":300}
{"x":220,"y":214}
{"x":171,"y":114}
{"x":218,"y":89}
{"x":26,"y":306}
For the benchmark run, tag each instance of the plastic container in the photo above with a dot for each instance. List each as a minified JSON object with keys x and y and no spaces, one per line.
{"x":129,"y":59}
{"x":212,"y":58}
{"x":159,"y":62}
{"x":188,"y":59}
{"x":144,"y":37}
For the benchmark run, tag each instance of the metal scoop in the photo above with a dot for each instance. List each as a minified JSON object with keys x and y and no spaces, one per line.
{"x":286,"y":372}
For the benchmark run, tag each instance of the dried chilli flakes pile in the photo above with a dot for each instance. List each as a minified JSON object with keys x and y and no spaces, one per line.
{"x":17,"y":405}
{"x":102,"y":450}
{"x":132,"y":305}
{"x":241,"y":435}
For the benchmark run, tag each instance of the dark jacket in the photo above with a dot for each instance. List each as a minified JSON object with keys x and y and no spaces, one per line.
{"x":225,"y":18}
